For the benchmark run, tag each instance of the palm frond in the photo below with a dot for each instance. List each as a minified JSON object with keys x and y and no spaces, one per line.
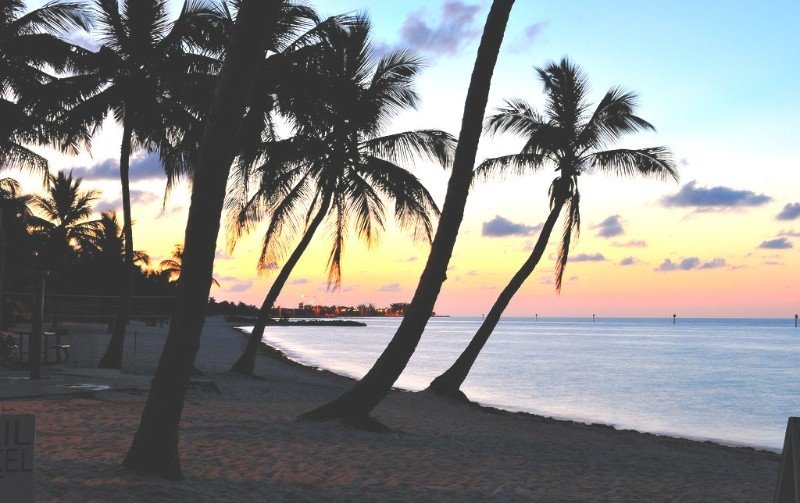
{"x":516,"y":164}
{"x":655,"y":162}
{"x":414,"y":208}
{"x":613,"y":117}
{"x":337,"y":249}
{"x":408,"y":146}
{"x":572,"y":226}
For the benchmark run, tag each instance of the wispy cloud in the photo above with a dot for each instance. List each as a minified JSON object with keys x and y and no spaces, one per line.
{"x":241,"y":286}
{"x":447,"y":34}
{"x":300,"y":281}
{"x":137,"y":197}
{"x":789,"y":212}
{"x":390,"y":287}
{"x":634,"y":243}
{"x":587,"y":257}
{"x":713,"y":198}
{"x":610,"y":227}
{"x":776,"y":244}
{"x":629,"y":261}
{"x":145,"y":167}
{"x":502,"y":227}
{"x":529,"y":36}
{"x":691,"y":264}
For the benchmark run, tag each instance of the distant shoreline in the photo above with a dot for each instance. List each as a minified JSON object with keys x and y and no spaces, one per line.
{"x":320,"y":322}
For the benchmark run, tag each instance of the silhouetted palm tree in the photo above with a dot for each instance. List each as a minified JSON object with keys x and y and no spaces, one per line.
{"x":152,"y":75}
{"x":355,"y":405}
{"x":172,"y":267}
{"x":29,"y":47}
{"x":108,"y":241}
{"x":573,"y":142}
{"x":339,"y":167}
{"x":65,"y":226}
{"x":155,"y":446}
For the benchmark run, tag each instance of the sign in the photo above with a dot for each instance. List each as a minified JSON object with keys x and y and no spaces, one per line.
{"x":17,"y":443}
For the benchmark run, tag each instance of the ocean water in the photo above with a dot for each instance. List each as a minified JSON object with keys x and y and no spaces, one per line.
{"x":733,"y":381}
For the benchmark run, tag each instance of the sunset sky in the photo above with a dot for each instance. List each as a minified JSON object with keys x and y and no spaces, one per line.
{"x":719,"y":80}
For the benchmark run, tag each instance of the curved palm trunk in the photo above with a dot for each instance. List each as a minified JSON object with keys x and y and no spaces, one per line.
{"x":355,"y":405}
{"x":155,"y":446}
{"x":246,"y":363}
{"x":112,"y":358}
{"x":451,"y":380}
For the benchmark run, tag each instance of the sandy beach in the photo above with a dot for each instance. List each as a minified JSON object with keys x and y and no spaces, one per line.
{"x":241,"y":441}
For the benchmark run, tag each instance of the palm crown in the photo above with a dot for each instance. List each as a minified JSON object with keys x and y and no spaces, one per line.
{"x":337,"y":163}
{"x":148,"y":72}
{"x":574,"y":141}
{"x":65,"y":222}
{"x":29,"y":46}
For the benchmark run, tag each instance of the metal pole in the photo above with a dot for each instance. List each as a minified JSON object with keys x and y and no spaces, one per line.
{"x":37,"y":328}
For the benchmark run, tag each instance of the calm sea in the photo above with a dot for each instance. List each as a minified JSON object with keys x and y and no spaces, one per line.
{"x":733,"y":381}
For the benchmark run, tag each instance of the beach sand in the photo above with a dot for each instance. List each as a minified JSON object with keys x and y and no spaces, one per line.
{"x":244,"y":443}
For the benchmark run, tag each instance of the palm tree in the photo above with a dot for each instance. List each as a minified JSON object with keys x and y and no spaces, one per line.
{"x":567,"y":138}
{"x":15,"y":214}
{"x":64,"y":227}
{"x":29,"y":44}
{"x":355,"y":405}
{"x":338,"y":167}
{"x":155,"y":446}
{"x":108,"y":242}
{"x":172,"y":266}
{"x":151,"y":73}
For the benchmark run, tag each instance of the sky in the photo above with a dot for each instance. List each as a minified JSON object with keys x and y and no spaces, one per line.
{"x":719,"y":80}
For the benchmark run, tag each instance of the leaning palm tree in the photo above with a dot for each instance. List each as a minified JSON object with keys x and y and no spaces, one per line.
{"x":355,"y":405}
{"x":155,"y":446}
{"x":148,"y":74}
{"x":64,"y":224}
{"x":338,"y":167}
{"x":572,"y":141}
{"x":30,"y":46}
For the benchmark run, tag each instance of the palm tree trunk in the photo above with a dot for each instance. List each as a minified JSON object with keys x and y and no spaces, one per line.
{"x":246,"y":363}
{"x":355,"y":405}
{"x":112,"y":358}
{"x":451,"y":380}
{"x":155,"y":446}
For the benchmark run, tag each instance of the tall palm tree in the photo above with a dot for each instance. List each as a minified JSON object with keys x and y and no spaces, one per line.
{"x":339,"y":167}
{"x":65,"y":226}
{"x":173,"y":266}
{"x":355,"y":405}
{"x":573,"y":142}
{"x":30,"y":46}
{"x":149,"y":74}
{"x":155,"y":446}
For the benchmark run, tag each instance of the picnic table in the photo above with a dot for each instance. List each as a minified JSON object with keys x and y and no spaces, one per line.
{"x":61,"y":350}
